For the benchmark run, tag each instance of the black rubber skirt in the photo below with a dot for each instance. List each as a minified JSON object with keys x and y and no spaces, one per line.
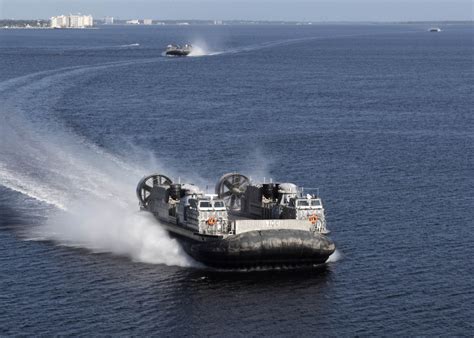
{"x":264,"y":248}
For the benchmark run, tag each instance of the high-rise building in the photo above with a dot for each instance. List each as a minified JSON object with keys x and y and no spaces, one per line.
{"x":61,"y":21}
{"x":88,"y":21}
{"x":72,"y":21}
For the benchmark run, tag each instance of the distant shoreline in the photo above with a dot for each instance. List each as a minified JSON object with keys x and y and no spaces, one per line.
{"x":44,"y":24}
{"x":50,"y":28}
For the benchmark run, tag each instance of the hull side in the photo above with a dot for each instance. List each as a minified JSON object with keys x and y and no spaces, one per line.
{"x":177,"y":53}
{"x":261,"y":248}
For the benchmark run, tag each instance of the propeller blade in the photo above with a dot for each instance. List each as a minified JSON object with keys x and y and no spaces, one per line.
{"x":226,"y":194}
{"x":228,"y":184}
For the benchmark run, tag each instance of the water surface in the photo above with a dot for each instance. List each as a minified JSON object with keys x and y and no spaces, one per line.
{"x":378,"y":117}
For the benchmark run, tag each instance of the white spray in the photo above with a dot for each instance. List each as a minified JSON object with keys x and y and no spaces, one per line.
{"x":93,"y":190}
{"x":201,"y":48}
{"x":335,"y":256}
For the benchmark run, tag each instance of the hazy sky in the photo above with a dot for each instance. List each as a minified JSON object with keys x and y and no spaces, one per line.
{"x":310,"y":10}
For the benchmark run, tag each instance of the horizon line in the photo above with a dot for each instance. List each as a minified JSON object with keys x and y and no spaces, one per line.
{"x":101,"y":18}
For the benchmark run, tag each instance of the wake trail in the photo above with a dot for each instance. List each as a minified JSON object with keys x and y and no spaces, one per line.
{"x":204,"y":51}
{"x":91,"y":189}
{"x":98,"y":48}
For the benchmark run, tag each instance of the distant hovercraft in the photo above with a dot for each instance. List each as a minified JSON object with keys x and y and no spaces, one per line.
{"x":243,"y":224}
{"x":177,"y":50}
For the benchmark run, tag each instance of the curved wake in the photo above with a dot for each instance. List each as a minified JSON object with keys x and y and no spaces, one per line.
{"x":92,"y":190}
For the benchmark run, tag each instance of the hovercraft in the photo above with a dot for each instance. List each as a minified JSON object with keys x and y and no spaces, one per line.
{"x":242,"y":225}
{"x":177,"y":50}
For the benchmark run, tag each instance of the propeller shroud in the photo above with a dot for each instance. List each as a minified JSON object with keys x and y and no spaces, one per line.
{"x":231,"y":188}
{"x":147,"y":183}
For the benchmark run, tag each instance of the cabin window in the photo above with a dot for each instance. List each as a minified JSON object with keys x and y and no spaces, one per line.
{"x":303,"y":203}
{"x":205,"y":204}
{"x":218,"y":204}
{"x":315,"y":203}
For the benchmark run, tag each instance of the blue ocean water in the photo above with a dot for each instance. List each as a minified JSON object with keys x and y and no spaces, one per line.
{"x":378,"y":117}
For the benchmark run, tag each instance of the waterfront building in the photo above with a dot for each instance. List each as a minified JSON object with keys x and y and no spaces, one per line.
{"x":80,"y":21}
{"x":72,"y":21}
{"x":61,"y":21}
{"x":148,"y":22}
